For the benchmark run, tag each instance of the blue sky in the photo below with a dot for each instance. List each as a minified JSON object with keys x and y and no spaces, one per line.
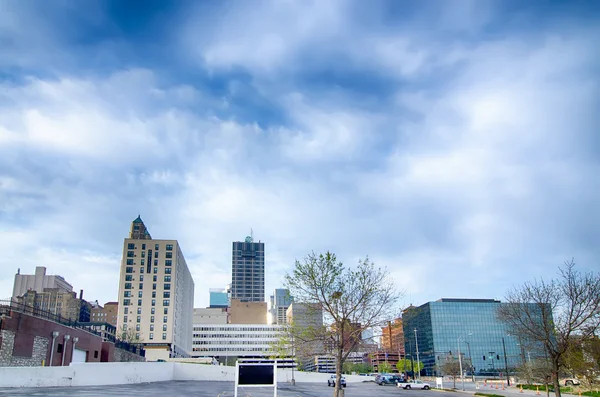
{"x":454,"y":142}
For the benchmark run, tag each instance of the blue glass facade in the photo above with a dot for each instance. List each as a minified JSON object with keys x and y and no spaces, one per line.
{"x":219,"y":299}
{"x":469,"y":326}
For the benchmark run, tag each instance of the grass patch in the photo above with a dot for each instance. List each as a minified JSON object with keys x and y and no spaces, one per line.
{"x":591,"y":393}
{"x":489,"y":395}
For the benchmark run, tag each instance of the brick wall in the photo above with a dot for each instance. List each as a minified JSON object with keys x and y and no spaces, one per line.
{"x":120,"y":355}
{"x":36,"y":357}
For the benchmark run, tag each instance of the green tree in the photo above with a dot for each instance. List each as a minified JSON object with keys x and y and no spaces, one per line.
{"x":553,"y":313}
{"x":406,"y":365}
{"x":352,"y":299}
{"x":384,"y":368}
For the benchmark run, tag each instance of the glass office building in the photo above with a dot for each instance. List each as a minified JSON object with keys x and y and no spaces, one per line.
{"x":470,"y":327}
{"x":248,"y":271}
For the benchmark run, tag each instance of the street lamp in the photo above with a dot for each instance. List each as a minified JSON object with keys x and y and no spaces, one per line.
{"x":505,"y":362}
{"x":418,"y":362}
{"x":471,"y":361}
{"x":460,"y":361}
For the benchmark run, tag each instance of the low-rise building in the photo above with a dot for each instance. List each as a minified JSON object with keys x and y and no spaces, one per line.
{"x":248,"y":312}
{"x":210,"y":316}
{"x":38,"y":282}
{"x":234,"y":340}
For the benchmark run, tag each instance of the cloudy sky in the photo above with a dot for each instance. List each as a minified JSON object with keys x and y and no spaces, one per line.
{"x":457,"y":143}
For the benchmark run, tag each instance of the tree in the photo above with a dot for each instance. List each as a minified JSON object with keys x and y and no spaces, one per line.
{"x":131,"y":336}
{"x":405,"y":365}
{"x":451,"y":367}
{"x":384,"y":368}
{"x":553,"y":313}
{"x":352,"y":300}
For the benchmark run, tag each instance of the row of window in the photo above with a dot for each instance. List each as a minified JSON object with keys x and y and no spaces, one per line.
{"x":139,"y":320}
{"x":166,"y":294}
{"x":130,"y":262}
{"x":129,"y":270}
{"x":166,"y":279}
{"x":152,"y":310}
{"x":127,"y":302}
{"x":131,"y":246}
{"x":131,"y":254}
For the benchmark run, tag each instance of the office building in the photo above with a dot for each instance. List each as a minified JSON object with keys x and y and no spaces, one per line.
{"x":156,"y":295}
{"x":248,"y":271}
{"x":235,"y":340}
{"x":105,"y":314}
{"x":247,"y":312}
{"x":210,"y":316}
{"x":58,"y":302}
{"x":465,"y":328}
{"x":307,"y":319}
{"x":219,"y":298}
{"x":279,"y":302}
{"x":392,"y":337}
{"x":38,"y":282}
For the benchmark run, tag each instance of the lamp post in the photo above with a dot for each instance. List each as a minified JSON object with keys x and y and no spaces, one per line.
{"x":505,"y":362}
{"x":67,"y":337}
{"x":470,"y":361}
{"x":75,"y":340}
{"x":54,"y":336}
{"x":460,"y":361}
{"x":418,"y":361}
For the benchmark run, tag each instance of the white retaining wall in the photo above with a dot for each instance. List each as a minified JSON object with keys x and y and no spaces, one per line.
{"x":96,"y":374}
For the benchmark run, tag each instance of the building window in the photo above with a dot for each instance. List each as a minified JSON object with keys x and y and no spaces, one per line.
{"x":153,"y":302}
{"x":139,"y":319}
{"x":156,"y":247}
{"x":130,"y":246}
{"x":166,"y":302}
{"x":164,"y":327}
{"x":166,"y":310}
{"x":125,"y":319}
{"x":143,"y":254}
{"x":167,"y":270}
{"x":167,"y":279}
{"x":151,"y":327}
{"x":152,"y":311}
{"x":155,"y":278}
{"x":137,"y":335}
{"x":137,"y":327}
{"x":129,"y":269}
{"x":169,"y":247}
{"x":126,"y":310}
{"x":139,"y":294}
{"x":126,"y":302}
{"x":164,"y":321}
{"x":156,"y":254}
{"x":155,"y":270}
{"x":156,"y":262}
{"x":141,"y":285}
{"x":143,"y":246}
{"x":151,"y":335}
{"x":139,"y":310}
{"x":151,"y":319}
{"x":153,"y":294}
{"x":127,"y":285}
{"x":127,"y":294}
{"x":141,"y":269}
{"x":128,"y":277}
{"x":167,"y":286}
{"x":169,"y":255}
{"x":168,"y":262}
{"x":164,"y":335}
{"x":130,"y":254}
{"x":154,"y":286}
{"x":141,"y":278}
{"x":130,"y":261}
{"x":142,"y":262}
{"x":139,"y":302}
{"x":166,"y":294}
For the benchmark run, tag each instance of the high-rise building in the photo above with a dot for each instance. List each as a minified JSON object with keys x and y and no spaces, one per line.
{"x":38,"y":281}
{"x":392,"y":337}
{"x":465,"y":328}
{"x":248,"y":271}
{"x":278,"y":305}
{"x":219,"y":298}
{"x":156,"y":295}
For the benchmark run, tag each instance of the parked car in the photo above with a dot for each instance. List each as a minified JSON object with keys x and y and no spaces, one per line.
{"x":570,"y":382}
{"x":386,"y":379}
{"x":331,"y":381}
{"x":415,"y":384}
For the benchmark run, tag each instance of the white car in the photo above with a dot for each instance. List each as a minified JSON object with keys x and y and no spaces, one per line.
{"x":415,"y":384}
{"x":331,"y":381}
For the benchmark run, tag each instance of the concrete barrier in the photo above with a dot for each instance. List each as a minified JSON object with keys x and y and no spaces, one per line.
{"x":97,"y":374}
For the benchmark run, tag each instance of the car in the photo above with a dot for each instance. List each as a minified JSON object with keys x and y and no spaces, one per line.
{"x":570,"y":382}
{"x":415,"y":384}
{"x":331,"y":381}
{"x":388,"y":379}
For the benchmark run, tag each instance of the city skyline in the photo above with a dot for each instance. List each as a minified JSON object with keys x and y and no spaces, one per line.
{"x":462,"y":158}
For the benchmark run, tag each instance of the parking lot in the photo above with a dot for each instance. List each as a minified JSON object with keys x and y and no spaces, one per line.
{"x":212,"y":389}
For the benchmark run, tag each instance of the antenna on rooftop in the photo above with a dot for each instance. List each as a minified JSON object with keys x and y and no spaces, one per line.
{"x":252,"y":234}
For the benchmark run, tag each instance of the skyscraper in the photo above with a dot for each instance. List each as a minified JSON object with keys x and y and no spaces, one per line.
{"x":248,"y":271}
{"x":278,"y":305}
{"x":156,"y":295}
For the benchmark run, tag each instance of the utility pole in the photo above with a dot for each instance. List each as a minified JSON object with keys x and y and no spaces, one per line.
{"x":505,"y":362}
{"x":418,"y":361}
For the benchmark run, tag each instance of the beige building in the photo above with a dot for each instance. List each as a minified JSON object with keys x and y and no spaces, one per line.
{"x":106,"y":314}
{"x":248,"y":312}
{"x":210,"y":316}
{"x":58,"y":302}
{"x":38,"y":282}
{"x":156,"y":295}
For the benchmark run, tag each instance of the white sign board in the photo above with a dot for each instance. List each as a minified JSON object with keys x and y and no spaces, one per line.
{"x":439,"y":382}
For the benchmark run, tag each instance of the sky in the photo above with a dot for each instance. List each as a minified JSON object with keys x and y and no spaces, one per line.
{"x":455,"y":143}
